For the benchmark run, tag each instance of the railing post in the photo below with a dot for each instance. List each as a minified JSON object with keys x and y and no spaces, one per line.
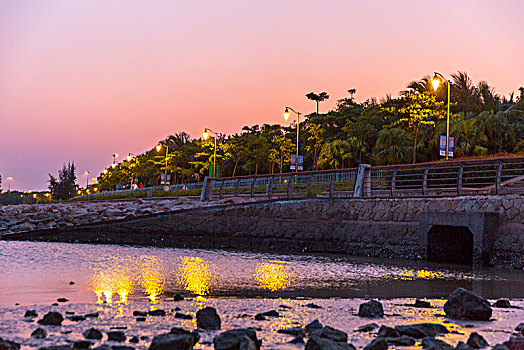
{"x":425,"y":181}
{"x":206,"y":193}
{"x":363,"y":179}
{"x":459,"y":179}
{"x":289,"y":187}
{"x":332,"y":186}
{"x":253,"y":184}
{"x":236,"y":187}
{"x":393,"y":182}
{"x":221,"y":193}
{"x":309,"y":183}
{"x":269,"y":188}
{"x":498,"y":178}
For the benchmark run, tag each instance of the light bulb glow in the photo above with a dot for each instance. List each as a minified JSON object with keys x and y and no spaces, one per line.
{"x":205,"y":134}
{"x":158,"y":148}
{"x":435,"y":83}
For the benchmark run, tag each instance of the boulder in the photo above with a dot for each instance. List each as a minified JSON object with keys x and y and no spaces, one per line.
{"x":170,"y":341}
{"x":159,"y":312}
{"x":235,"y":339}
{"x":463,"y":346}
{"x":422,"y":330}
{"x":313,"y":306}
{"x":295,"y":331}
{"x":31,"y":313}
{"x":463,"y":304}
{"x":207,"y":318}
{"x":117,"y":336}
{"x":502,"y":303}
{"x":371,"y":309}
{"x":178,"y":297}
{"x":476,"y":341}
{"x":39,"y":333}
{"x":271,"y":313}
{"x":388,"y":332}
{"x":401,"y":341}
{"x":82,"y":344}
{"x":435,"y":344}
{"x":422,"y":303}
{"x":134,"y":339}
{"x":92,"y":333}
{"x":8,"y":345}
{"x":318,"y":343}
{"x":520,"y":327}
{"x":334,"y":334}
{"x":178,"y":331}
{"x":52,"y":319}
{"x":183,"y":316}
{"x":515,"y":343}
{"x":377,"y":344}
{"x":367,"y":327}
{"x":314,"y":327}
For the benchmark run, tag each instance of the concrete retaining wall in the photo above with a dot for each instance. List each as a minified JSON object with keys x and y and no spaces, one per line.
{"x":388,"y":228}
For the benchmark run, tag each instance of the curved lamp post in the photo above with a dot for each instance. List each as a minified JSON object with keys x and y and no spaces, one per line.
{"x":114,"y":160}
{"x":87,"y":178}
{"x":158,"y":148}
{"x":436,"y":82}
{"x":286,"y":116}
{"x":205,"y":135}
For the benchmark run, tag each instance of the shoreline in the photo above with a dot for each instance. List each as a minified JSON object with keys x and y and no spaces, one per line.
{"x":342,"y":314}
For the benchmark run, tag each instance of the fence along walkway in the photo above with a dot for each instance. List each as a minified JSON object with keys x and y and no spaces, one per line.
{"x":452,"y":178}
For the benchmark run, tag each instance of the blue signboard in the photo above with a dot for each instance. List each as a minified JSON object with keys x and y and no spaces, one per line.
{"x":443,"y":145}
{"x":293,"y":163}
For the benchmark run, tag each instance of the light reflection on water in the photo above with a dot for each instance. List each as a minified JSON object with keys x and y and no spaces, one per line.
{"x":35,"y":272}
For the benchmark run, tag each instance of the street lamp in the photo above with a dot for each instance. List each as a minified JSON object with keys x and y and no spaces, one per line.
{"x":87,"y":178}
{"x":9,"y":181}
{"x":114,"y":160}
{"x":436,"y":82}
{"x":158,"y":148}
{"x":286,"y":116}
{"x":205,"y":135}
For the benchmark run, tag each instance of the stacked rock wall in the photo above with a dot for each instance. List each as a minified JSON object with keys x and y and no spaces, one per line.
{"x":384,"y":227}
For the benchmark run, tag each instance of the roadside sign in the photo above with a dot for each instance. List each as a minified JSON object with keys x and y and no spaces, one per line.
{"x":443,"y":146}
{"x":293,"y":163}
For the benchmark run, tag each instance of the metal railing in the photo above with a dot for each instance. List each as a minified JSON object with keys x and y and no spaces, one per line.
{"x":450,"y":178}
{"x":180,"y":188}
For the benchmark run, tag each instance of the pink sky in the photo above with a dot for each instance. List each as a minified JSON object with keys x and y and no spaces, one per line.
{"x":81,"y":80}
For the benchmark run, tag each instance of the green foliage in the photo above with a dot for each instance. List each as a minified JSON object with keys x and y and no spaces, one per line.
{"x":65,"y":186}
{"x":392,"y":131}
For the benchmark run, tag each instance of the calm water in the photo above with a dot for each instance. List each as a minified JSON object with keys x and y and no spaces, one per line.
{"x":36,"y":273}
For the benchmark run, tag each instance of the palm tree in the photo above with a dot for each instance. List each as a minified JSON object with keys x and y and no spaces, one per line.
{"x":334,"y":154}
{"x":317,"y":97}
{"x":465,"y":93}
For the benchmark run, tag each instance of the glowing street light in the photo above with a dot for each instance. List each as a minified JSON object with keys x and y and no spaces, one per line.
{"x":9,"y":181}
{"x":286,"y":117}
{"x":129,"y":157}
{"x":205,"y":135}
{"x":114,"y":160}
{"x":158,"y":148}
{"x":436,"y":82}
{"x":87,"y":178}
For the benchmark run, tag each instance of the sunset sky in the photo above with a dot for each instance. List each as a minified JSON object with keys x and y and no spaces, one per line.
{"x":81,"y":80}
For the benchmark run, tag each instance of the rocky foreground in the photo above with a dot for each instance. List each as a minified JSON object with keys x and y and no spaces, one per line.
{"x":463,"y":321}
{"x":19,"y":218}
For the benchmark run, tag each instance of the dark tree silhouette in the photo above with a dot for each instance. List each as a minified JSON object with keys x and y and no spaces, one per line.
{"x":317,"y":97}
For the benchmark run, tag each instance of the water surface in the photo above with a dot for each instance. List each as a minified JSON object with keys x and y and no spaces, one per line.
{"x":38,"y":272}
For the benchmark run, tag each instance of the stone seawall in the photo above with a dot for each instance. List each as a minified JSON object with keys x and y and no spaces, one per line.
{"x":388,"y":228}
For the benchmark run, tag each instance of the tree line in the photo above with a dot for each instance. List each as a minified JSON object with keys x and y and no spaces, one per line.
{"x":399,"y":130}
